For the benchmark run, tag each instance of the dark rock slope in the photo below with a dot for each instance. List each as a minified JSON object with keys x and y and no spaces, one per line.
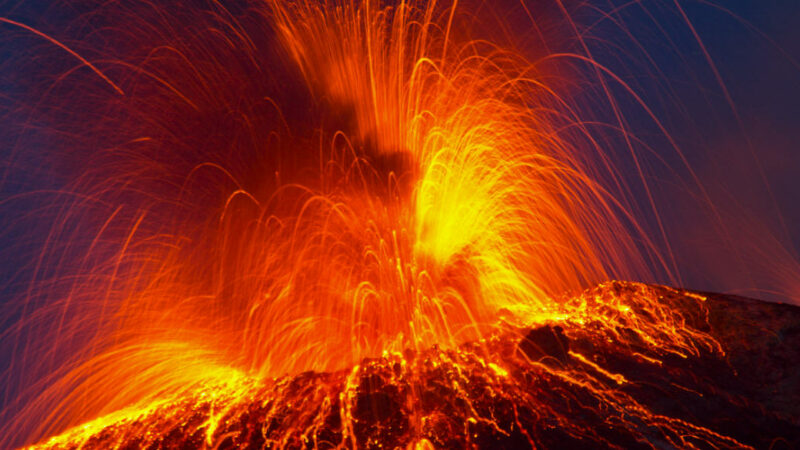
{"x":622,"y":365}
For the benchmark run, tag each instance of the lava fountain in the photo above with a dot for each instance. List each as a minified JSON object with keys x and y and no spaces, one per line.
{"x":327,"y":191}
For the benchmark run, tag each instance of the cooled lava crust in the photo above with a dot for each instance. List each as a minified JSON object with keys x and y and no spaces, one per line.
{"x":642,"y":367}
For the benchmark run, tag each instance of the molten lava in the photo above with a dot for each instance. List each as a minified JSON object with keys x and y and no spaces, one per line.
{"x":366,"y":278}
{"x":635,"y":367}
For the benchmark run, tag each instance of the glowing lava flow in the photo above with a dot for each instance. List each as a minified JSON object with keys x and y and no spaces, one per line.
{"x":442,"y":207}
{"x":624,"y":348}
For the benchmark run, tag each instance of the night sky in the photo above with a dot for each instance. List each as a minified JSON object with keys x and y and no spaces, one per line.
{"x":747,"y":157}
{"x":748,"y":160}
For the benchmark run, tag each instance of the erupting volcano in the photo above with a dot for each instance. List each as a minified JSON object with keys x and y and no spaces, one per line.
{"x":363,"y":223}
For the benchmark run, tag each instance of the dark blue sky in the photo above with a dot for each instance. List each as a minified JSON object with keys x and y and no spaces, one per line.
{"x":748,"y":160}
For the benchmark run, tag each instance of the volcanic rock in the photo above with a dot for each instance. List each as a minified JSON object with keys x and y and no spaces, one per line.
{"x":622,"y":365}
{"x":546,"y":341}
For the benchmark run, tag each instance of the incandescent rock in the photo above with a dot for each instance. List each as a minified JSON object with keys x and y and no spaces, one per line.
{"x":623,"y":365}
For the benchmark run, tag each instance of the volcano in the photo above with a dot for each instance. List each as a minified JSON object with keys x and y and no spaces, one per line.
{"x":373,"y":223}
{"x":722,"y":374}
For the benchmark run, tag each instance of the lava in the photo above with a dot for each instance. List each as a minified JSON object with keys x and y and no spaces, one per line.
{"x":623,"y":383}
{"x":336,"y":223}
